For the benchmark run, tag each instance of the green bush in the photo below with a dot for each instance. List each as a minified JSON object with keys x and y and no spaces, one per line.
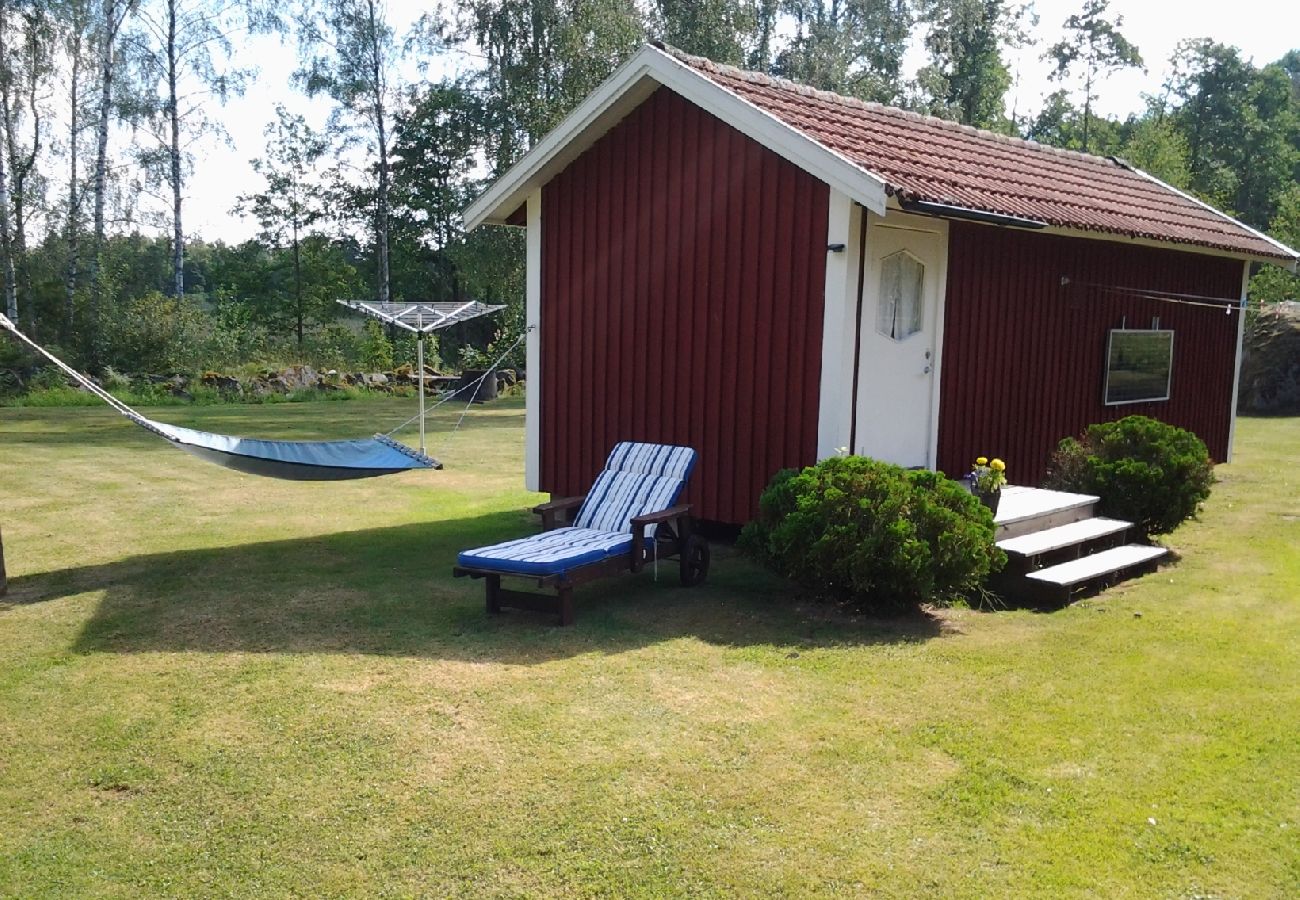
{"x":1145,"y":472}
{"x":874,"y":536}
{"x":155,"y":333}
{"x":376,"y":349}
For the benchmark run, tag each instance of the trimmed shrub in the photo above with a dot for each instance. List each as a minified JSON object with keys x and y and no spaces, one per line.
{"x":1145,"y":471}
{"x":874,"y":536}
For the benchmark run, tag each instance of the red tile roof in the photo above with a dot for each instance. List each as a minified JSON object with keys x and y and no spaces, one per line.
{"x":921,"y":158}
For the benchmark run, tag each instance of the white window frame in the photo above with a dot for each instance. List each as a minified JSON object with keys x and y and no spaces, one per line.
{"x":1169,"y":376}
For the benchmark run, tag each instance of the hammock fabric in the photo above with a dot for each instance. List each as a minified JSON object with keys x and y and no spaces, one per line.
{"x":297,"y":460}
{"x":292,"y":460}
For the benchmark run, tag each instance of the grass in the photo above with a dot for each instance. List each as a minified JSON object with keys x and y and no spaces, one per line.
{"x":217,"y":685}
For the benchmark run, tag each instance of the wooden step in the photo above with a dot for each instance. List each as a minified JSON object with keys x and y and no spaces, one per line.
{"x":1072,"y":534}
{"x":1024,"y":510}
{"x":1109,"y":565}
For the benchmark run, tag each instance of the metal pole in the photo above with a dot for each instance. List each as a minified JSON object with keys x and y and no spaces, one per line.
{"x":419,"y":370}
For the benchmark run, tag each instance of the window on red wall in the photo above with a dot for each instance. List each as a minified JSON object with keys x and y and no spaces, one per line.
{"x":1138,"y":366}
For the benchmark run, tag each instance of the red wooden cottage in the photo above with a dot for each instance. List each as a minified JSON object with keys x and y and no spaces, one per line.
{"x":769,"y":273}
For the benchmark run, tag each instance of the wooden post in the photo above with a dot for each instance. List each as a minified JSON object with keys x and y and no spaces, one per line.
{"x":565,"y":604}
{"x":4,"y":581}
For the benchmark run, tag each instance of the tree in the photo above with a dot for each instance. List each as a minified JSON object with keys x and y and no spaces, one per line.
{"x":718,"y":29}
{"x":541,"y":59}
{"x":1208,"y":85}
{"x":435,"y":154}
{"x":851,"y":46}
{"x":349,"y":53}
{"x":184,"y":49}
{"x":1273,"y":283}
{"x":1094,"y":44}
{"x":7,"y":268}
{"x":109,"y":17}
{"x":1156,"y":146}
{"x":967,"y":78}
{"x":1241,"y":128}
{"x":293,"y":200}
{"x":251,"y":281}
{"x":75,"y":16}
{"x":1268,"y":149}
{"x":26,"y":38}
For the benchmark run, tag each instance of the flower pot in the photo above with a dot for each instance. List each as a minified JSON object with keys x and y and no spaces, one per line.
{"x":487,"y":389}
{"x":991,"y":499}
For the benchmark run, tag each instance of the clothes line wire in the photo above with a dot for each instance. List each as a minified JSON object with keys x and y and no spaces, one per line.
{"x":1226,"y":304}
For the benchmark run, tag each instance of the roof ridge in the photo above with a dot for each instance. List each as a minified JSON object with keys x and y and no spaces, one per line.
{"x":776,"y":81}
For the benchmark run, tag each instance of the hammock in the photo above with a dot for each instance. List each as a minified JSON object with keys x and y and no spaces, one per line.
{"x":293,"y":460}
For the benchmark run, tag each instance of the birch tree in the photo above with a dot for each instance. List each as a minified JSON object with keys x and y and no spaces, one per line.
{"x":186,"y":53}
{"x":75,"y":19}
{"x":108,"y":19}
{"x":27,"y":55}
{"x":7,"y":268}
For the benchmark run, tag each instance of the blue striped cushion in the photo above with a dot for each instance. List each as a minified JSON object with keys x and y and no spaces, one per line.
{"x":638,"y":479}
{"x":549,"y":553}
{"x":651,"y":459}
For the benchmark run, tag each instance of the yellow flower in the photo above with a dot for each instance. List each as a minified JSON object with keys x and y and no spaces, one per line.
{"x":981,"y":460}
{"x":998,"y":465}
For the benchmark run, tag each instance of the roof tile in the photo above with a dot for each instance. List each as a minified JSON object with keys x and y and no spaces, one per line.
{"x":928,"y":159}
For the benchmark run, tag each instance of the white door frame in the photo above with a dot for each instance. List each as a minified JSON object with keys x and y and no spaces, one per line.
{"x":931,"y":225}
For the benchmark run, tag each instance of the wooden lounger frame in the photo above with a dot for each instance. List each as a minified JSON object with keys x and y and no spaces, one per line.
{"x":673,"y":540}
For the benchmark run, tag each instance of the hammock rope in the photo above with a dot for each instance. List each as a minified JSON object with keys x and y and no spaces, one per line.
{"x":293,"y":460}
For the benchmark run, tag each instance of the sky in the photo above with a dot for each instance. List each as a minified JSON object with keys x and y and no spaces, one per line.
{"x":1263,"y":29}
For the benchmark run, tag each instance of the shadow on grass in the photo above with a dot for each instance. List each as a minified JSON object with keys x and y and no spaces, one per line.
{"x":389,"y":591}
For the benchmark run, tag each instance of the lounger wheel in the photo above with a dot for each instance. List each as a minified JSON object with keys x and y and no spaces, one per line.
{"x":694,"y":561}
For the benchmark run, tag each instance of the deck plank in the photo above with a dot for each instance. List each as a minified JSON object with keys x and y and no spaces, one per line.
{"x":1039,"y":542}
{"x":1108,"y":562}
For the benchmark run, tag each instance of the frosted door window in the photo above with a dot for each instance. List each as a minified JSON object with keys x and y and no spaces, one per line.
{"x":899,"y":314}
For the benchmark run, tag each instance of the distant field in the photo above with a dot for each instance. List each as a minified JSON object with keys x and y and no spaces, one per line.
{"x":212,"y":684}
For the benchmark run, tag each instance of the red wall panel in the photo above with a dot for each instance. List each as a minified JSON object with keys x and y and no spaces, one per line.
{"x":683,"y":278}
{"x":1024,"y":356}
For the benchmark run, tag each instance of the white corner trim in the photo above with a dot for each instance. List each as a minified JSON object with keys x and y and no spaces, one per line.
{"x":1294,"y":254}
{"x":941,"y":307}
{"x":533,"y":345}
{"x":619,"y":94}
{"x":839,"y":314}
{"x":1236,"y":371}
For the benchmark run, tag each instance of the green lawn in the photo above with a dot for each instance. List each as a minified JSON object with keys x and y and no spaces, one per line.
{"x":212,"y":684}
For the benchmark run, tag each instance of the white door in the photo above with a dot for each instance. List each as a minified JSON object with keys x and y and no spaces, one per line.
{"x":900,"y":332}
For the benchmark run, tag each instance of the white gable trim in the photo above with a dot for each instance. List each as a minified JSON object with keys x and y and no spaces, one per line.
{"x":627,"y":88}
